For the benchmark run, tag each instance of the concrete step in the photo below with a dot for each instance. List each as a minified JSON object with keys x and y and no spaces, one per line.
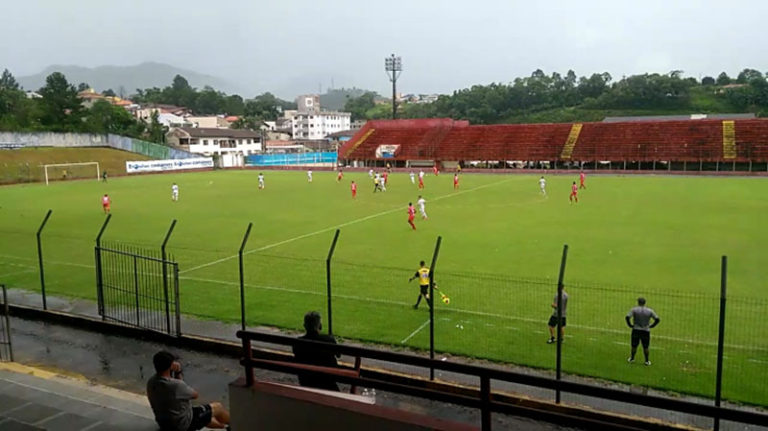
{"x":34,"y":399}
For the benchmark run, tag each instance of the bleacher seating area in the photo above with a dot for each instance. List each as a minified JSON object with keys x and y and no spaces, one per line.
{"x":673,"y":141}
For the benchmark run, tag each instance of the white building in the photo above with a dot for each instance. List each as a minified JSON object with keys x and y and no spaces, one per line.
{"x":209,"y":121}
{"x":171,"y":120}
{"x":318,"y":125}
{"x":231,"y":144}
{"x":310,"y":122}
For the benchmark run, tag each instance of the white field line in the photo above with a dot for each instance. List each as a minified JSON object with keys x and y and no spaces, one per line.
{"x":415,"y":332}
{"x":476,"y":313}
{"x":351,"y":222}
{"x":23,"y":271}
{"x":55,"y":262}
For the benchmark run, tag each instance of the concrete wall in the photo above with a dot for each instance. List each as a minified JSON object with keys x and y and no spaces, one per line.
{"x":69,"y":140}
{"x":272,"y":406}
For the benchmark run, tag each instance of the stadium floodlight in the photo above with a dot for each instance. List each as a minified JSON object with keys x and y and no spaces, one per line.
{"x":394,"y":67}
{"x":71,"y":170}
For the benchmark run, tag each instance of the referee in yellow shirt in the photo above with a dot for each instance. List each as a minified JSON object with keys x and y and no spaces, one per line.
{"x":423,"y":275}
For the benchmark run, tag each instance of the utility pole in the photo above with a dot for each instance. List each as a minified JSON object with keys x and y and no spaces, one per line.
{"x":394,"y":67}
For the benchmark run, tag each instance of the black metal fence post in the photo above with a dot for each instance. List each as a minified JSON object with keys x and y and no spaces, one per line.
{"x":560,"y":319}
{"x":7,"y":329}
{"x":176,"y":298}
{"x":721,"y":337}
{"x":328,"y":281}
{"x":430,"y":301}
{"x":242,"y":276}
{"x":165,"y":275}
{"x":99,"y":275}
{"x":40,"y":258}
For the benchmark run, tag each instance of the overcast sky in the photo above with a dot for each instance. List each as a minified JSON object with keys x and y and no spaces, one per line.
{"x":293,"y":46}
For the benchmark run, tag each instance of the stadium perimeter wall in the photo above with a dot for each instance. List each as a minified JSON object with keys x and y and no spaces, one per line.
{"x":70,"y":140}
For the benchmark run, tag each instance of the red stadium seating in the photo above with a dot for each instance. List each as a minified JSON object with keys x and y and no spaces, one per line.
{"x":679,"y":141}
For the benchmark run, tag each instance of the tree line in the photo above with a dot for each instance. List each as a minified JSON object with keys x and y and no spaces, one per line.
{"x":539,"y":97}
{"x":60,"y":109}
{"x":546,"y":97}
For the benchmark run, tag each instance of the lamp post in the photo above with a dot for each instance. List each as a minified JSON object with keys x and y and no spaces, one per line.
{"x":394,"y":67}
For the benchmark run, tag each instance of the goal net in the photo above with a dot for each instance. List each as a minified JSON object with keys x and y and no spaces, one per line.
{"x":71,"y":171}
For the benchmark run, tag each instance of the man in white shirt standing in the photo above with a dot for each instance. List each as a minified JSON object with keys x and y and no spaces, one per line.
{"x":543,"y":186}
{"x":421,"y":202}
{"x":174,"y":192}
{"x":413,"y":178}
{"x":261,"y":181}
{"x":309,"y":176}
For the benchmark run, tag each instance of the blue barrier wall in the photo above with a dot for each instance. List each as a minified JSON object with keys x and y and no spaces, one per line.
{"x":290,"y":159}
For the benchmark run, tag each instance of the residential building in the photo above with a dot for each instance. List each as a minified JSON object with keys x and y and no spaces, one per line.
{"x":318,"y":125}
{"x":171,"y":120}
{"x":308,"y":103}
{"x":210,"y":121}
{"x":90,"y":96}
{"x":231,"y":144}
{"x":145,"y":112}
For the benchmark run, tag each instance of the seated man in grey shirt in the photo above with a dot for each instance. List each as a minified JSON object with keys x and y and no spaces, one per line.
{"x":639,"y":319}
{"x":171,"y":399}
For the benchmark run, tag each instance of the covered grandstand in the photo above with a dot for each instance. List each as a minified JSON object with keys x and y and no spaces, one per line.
{"x":690,"y":145}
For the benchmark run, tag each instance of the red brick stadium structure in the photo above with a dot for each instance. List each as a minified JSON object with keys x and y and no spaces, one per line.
{"x":726,"y":146}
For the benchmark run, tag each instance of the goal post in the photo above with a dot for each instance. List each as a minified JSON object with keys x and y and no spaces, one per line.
{"x":65,"y":171}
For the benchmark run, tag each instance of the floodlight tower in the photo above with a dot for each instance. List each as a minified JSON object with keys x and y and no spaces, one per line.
{"x":394,"y":67}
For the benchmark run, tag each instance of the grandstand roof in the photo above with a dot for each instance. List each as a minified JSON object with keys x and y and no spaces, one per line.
{"x":679,"y":117}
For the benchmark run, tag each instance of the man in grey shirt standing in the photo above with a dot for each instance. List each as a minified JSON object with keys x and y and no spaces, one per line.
{"x":171,"y":399}
{"x":553,"y":319}
{"x":639,"y":319}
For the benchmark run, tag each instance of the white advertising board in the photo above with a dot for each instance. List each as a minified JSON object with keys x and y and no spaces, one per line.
{"x":168,"y":165}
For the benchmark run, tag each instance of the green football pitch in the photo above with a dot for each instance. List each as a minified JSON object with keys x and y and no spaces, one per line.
{"x":659,"y":237}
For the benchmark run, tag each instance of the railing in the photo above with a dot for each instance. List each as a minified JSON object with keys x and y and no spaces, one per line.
{"x":483,"y":399}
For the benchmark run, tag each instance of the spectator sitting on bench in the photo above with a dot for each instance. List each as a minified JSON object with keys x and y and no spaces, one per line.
{"x":312,"y":355}
{"x":171,"y":399}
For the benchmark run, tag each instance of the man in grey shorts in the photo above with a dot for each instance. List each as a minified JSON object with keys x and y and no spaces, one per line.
{"x":171,"y":399}
{"x":639,"y":319}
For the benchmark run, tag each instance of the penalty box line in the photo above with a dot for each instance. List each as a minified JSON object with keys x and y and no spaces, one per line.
{"x":351,"y":222}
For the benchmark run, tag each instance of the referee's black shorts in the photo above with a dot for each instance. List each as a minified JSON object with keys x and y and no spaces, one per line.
{"x":639,"y":336}
{"x":553,"y":321}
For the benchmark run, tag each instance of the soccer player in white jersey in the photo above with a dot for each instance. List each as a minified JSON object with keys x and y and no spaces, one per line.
{"x":174,"y":192}
{"x":421,"y":202}
{"x":261,"y":181}
{"x":370,"y":173}
{"x":413,"y":177}
{"x":309,"y":176}
{"x":543,"y":186}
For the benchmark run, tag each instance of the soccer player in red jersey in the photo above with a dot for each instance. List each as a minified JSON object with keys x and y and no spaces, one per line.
{"x":105,"y":202}
{"x":434,"y":169}
{"x":582,"y":177}
{"x":339,"y":176}
{"x":385,"y":175}
{"x":574,"y":191}
{"x":455,"y":181}
{"x":353,"y":187}
{"x":411,"y":215}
